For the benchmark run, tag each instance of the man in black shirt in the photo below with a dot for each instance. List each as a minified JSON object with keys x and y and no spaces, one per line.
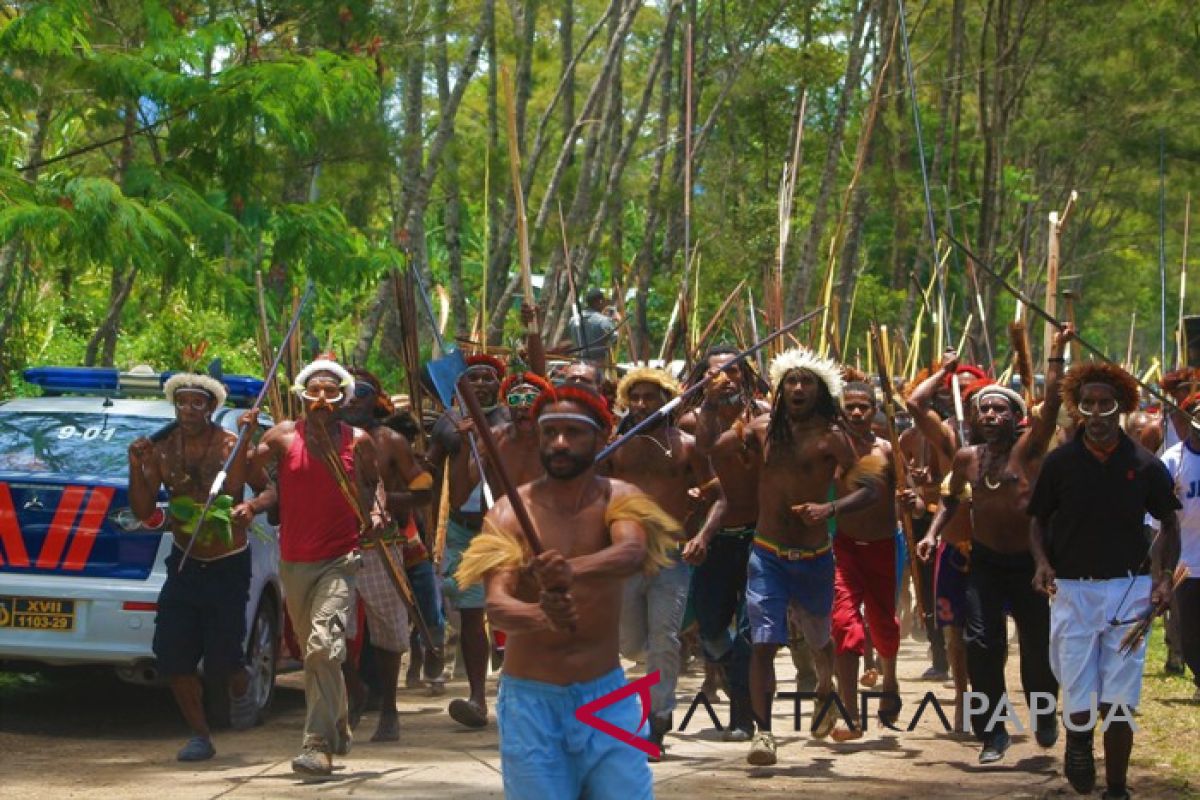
{"x":1094,"y":560}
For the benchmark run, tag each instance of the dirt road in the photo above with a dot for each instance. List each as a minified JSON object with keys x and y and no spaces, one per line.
{"x":89,"y":736}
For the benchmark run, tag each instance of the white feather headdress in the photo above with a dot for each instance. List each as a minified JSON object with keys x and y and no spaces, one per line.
{"x":191,"y":380}
{"x":324,"y":365}
{"x":826,"y":369}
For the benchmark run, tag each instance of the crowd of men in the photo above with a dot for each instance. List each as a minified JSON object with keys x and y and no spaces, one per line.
{"x":766,"y":509}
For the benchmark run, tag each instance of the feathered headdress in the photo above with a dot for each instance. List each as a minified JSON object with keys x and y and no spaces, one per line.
{"x":825,"y":369}
{"x":1123,"y":384}
{"x":489,"y":361}
{"x":191,"y":380}
{"x":590,"y":399}
{"x":324,"y":365}
{"x":518,"y":378}
{"x":658,"y":377}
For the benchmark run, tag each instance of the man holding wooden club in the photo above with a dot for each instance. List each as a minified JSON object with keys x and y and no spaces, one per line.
{"x":327,"y":478}
{"x":557,"y":608}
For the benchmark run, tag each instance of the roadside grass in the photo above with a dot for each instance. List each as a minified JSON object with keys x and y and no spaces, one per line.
{"x":1169,"y":723}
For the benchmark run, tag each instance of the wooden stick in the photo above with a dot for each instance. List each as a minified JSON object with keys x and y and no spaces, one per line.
{"x":514,"y":167}
{"x":1181,"y":336}
{"x":878,"y":339}
{"x":1129,"y":348}
{"x":712,"y":324}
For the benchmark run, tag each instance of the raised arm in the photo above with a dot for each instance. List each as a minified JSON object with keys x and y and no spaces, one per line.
{"x":927,"y":421}
{"x":535,"y":347}
{"x":145,"y":477}
{"x":1033,"y":442}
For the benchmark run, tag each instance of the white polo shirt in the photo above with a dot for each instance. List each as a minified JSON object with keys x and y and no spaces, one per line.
{"x":1184,"y":465}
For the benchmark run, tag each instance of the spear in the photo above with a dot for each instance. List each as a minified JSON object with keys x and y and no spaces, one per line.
{"x":1041,"y":312}
{"x":219,"y":481}
{"x":675,"y":402}
{"x":1181,"y":343}
{"x":514,"y":166}
{"x":879,"y":348}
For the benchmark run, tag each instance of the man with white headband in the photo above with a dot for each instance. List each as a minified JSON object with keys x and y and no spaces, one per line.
{"x":468,"y":503}
{"x":201,"y":608}
{"x":327,"y":480}
{"x":562,"y":649}
{"x":999,"y":473}
{"x":1092,"y":556}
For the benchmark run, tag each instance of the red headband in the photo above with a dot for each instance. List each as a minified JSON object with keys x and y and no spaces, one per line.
{"x":531,"y":378}
{"x":596,"y":407}
{"x":967,"y":373}
{"x":489,"y":361}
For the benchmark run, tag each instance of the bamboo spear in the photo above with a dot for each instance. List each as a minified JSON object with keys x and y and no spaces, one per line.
{"x":514,"y":167}
{"x":878,"y":338}
{"x":1181,"y":337}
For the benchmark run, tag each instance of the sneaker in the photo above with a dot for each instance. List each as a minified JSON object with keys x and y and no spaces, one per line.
{"x":994,"y":749}
{"x":1079,"y":762}
{"x":762,"y":750}
{"x":198,"y":748}
{"x":659,"y":725}
{"x":468,"y":713}
{"x":313,"y":763}
{"x":1173,"y":667}
{"x":388,"y":729}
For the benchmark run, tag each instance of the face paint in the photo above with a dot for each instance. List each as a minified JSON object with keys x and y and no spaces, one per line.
{"x":1099,"y":408}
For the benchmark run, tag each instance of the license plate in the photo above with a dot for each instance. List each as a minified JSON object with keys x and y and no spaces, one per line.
{"x":37,"y":613}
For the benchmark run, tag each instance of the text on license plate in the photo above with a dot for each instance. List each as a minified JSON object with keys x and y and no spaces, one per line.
{"x":37,"y":613}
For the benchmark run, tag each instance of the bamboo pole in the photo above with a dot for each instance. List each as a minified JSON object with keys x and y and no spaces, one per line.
{"x":1180,"y":335}
{"x":514,"y":168}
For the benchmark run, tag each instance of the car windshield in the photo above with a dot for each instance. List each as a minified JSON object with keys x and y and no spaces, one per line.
{"x":65,"y":443}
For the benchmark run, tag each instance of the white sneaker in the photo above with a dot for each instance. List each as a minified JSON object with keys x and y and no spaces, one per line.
{"x":762,"y":750}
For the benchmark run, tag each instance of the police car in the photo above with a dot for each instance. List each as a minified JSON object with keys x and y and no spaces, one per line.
{"x":79,"y":572}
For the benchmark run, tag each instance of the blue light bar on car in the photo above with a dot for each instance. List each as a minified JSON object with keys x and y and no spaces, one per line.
{"x":243,"y":389}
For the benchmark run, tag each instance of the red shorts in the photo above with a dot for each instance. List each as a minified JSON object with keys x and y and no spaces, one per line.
{"x":865,"y":576}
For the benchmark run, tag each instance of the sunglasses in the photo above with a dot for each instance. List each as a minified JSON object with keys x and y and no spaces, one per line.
{"x":523,"y":399}
{"x":362,"y":390}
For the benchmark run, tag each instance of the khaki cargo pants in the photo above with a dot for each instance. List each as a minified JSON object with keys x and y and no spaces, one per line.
{"x":319,"y":601}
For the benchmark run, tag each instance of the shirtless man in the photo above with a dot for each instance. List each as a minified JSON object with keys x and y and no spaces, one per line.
{"x":408,"y":487}
{"x":929,"y":447}
{"x":517,"y":438}
{"x":1001,"y":473}
{"x":720,"y":556}
{"x":864,"y":551}
{"x":663,"y":463}
{"x":802,"y":452}
{"x":319,"y":536}
{"x":201,"y":608}
{"x":562,"y":648}
{"x":945,"y":562}
{"x":467,"y":506}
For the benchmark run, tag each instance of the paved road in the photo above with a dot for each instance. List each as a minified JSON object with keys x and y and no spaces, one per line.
{"x":89,"y":736}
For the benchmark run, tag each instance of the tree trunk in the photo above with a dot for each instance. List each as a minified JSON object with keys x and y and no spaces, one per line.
{"x":566,"y":29}
{"x":12,"y":276}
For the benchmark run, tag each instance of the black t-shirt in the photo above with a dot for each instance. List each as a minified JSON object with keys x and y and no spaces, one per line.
{"x":1093,"y":512}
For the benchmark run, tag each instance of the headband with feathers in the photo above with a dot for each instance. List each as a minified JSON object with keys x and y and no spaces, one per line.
{"x":191,"y":380}
{"x":489,"y":361}
{"x":825,"y":369}
{"x":658,"y":377}
{"x":518,"y":378}
{"x":591,"y":400}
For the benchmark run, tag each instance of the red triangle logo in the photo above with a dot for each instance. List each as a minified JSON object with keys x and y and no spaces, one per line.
{"x":641,"y":687}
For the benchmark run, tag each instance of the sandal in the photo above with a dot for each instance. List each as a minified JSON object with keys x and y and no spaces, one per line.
{"x":198,"y":748}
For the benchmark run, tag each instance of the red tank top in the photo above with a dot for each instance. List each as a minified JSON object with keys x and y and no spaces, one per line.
{"x":316,"y":521}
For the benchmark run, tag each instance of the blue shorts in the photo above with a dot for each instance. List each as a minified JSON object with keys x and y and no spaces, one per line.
{"x":546,"y":753}
{"x":458,"y":538}
{"x":773,"y":582}
{"x":950,"y":585}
